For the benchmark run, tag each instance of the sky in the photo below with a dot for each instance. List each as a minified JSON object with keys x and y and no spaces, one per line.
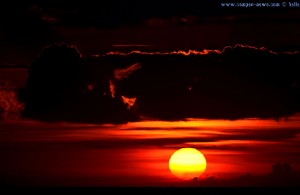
{"x":97,"y":27}
{"x":97,"y":93}
{"x":136,"y":154}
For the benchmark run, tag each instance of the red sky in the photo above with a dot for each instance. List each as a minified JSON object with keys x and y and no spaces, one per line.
{"x":137,"y":154}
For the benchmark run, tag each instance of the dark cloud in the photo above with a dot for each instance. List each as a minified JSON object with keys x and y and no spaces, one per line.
{"x":240,"y":81}
{"x":236,"y":82}
{"x":60,"y":87}
{"x":280,"y":175}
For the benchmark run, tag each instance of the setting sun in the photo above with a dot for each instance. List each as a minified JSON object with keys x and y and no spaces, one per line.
{"x":187,"y":163}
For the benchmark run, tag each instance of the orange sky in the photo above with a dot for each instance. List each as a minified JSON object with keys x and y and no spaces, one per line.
{"x":137,"y":153}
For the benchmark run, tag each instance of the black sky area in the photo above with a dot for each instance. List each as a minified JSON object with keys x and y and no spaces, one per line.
{"x":126,"y":11}
{"x":116,"y":13}
{"x":26,"y":27}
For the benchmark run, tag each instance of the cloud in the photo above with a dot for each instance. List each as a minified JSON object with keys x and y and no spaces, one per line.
{"x":10,"y":105}
{"x":282,"y":177}
{"x":131,"y":45}
{"x":237,"y":81}
{"x":125,"y":72}
{"x":203,"y":52}
{"x":62,"y":86}
{"x":112,"y":89}
{"x":231,"y":83}
{"x":180,"y":52}
{"x":128,"y":101}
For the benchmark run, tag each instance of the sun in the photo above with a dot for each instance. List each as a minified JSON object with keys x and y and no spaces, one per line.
{"x":187,"y":163}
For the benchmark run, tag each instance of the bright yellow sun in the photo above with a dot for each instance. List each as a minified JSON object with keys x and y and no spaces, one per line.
{"x":187,"y":163}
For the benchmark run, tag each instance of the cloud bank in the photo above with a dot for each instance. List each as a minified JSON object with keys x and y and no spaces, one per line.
{"x":236,"y":82}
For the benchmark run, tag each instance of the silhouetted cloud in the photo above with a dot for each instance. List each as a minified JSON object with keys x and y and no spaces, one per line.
{"x":236,"y":82}
{"x":286,"y":178}
{"x":239,"y":81}
{"x":60,"y":87}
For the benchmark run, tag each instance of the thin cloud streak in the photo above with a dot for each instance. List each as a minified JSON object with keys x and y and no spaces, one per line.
{"x":195,"y":52}
{"x":131,"y":45}
{"x":123,"y":73}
